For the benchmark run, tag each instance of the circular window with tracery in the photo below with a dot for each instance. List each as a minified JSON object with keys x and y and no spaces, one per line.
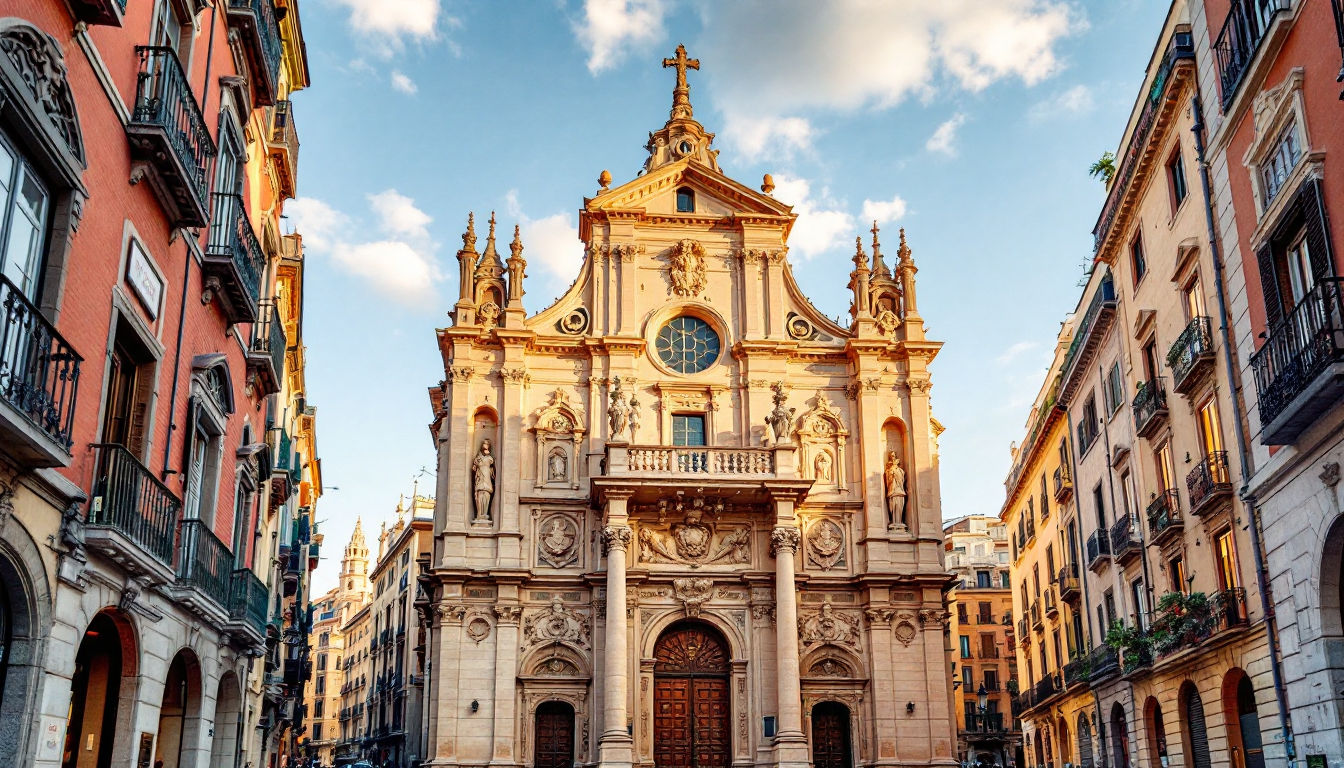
{"x":687,"y":344}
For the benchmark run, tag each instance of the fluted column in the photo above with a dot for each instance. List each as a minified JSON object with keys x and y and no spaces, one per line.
{"x":616,"y":748}
{"x":790,"y":743}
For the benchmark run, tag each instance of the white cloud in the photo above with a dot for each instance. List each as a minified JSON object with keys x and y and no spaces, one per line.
{"x":400,"y":266}
{"x":1075,"y":101}
{"x":822,"y":224}
{"x":389,"y":24}
{"x":611,"y":27}
{"x":772,"y":61}
{"x":1015,"y":351}
{"x":553,"y":244}
{"x":884,"y":211}
{"x":403,"y":83}
{"x":941,"y":140}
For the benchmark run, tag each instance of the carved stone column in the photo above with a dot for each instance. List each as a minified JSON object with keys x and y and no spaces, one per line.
{"x":509,"y":456}
{"x":616,"y":748}
{"x":446,"y":709}
{"x":790,"y":743}
{"x":506,"y":664}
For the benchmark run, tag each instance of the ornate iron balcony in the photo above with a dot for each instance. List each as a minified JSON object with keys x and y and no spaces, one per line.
{"x":1246,"y":24}
{"x":266,"y":354}
{"x":1063,"y":484}
{"x":1087,"y":335}
{"x":1191,"y":356}
{"x":1036,"y":622}
{"x":260,"y":33}
{"x":1051,"y":605}
{"x":1164,"y":516}
{"x":1296,"y":378}
{"x":1078,"y":671}
{"x":169,"y":137}
{"x":131,"y":513}
{"x":1104,"y":662}
{"x":39,"y":379}
{"x":1150,"y":407}
{"x":989,"y":722}
{"x":1124,"y":541}
{"x":204,"y":563}
{"x":1098,"y":549}
{"x":284,"y":146}
{"x":234,"y":259}
{"x":1208,"y":482}
{"x":1068,"y":582}
{"x":248,"y":601}
{"x":1229,"y":608}
{"x":1023,"y":636}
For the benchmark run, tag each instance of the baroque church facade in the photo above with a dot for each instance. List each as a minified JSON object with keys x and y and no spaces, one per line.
{"x":683,"y":518}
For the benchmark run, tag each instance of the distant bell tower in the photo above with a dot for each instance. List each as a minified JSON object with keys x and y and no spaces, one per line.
{"x":354,"y":586}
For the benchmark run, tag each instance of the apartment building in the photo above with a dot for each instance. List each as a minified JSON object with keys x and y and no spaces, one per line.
{"x":331,"y":612}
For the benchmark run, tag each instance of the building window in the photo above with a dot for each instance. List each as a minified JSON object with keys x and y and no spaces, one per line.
{"x":1176,"y":569}
{"x":322,"y":662}
{"x":985,"y":614}
{"x":1099,"y":504}
{"x":1295,"y":257}
{"x":321,"y":685}
{"x":982,"y":581}
{"x":687,"y":345}
{"x":1140,"y":598}
{"x":991,"y":679}
{"x":24,"y":204}
{"x":685,"y":200}
{"x":1088,"y":428}
{"x":965,"y":646}
{"x":1007,"y":580}
{"x":1115,"y":389}
{"x":1275,"y":169}
{"x":1226,"y":552}
{"x":317,"y":730}
{"x":129,"y":390}
{"x":1194,"y":300}
{"x":968,"y":678}
{"x":688,"y":429}
{"x":317,"y":712}
{"x":1176,"y":174}
{"x":1136,"y":259}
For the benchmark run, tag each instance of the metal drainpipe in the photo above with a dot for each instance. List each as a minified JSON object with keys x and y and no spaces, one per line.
{"x":1087,"y":601}
{"x":1243,"y":447}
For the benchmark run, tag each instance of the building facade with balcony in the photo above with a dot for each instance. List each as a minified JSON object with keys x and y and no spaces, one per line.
{"x":984,"y":666}
{"x":681,"y":482}
{"x":1052,"y":702}
{"x":1268,"y":77}
{"x":360,"y":645}
{"x":326,"y":709}
{"x":139,"y":588}
{"x":1178,"y":640}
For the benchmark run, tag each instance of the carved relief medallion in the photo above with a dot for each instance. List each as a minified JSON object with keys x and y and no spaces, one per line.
{"x":557,"y":540}
{"x":826,"y":544}
{"x":686,"y":268}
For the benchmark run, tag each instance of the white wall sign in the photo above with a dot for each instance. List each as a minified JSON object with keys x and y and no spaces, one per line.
{"x":144,"y":280}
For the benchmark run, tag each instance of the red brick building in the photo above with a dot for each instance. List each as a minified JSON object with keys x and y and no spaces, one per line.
{"x":146,"y":149}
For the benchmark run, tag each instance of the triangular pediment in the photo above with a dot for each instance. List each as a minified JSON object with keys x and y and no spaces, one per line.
{"x":655,"y":192}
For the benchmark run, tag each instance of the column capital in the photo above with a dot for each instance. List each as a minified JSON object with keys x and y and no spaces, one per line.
{"x":616,"y":537}
{"x":784,"y":538}
{"x":508,"y":614}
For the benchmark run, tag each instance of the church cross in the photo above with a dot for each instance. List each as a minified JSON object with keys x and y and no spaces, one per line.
{"x":681,"y":95}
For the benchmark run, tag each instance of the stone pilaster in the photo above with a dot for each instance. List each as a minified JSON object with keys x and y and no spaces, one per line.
{"x":506,"y":676}
{"x":510,"y":472}
{"x":790,"y":743}
{"x":616,"y":748}
{"x":449,"y":656}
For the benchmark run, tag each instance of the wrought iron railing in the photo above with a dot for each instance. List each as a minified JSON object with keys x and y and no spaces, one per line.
{"x":1104,"y":298}
{"x":203,"y":561}
{"x":1063,"y":482}
{"x":1193,"y":345}
{"x":1098,"y":546}
{"x":1150,"y":401}
{"x":1031,"y":530}
{"x":1164,"y":513}
{"x":248,"y":600}
{"x":1078,"y":671}
{"x":1103,"y":661}
{"x":1068,"y":580}
{"x":710,"y":461}
{"x":232,"y":237}
{"x":1229,"y":608}
{"x":1023,"y":636}
{"x":39,"y":370}
{"x":1123,"y":537}
{"x":988,"y":722}
{"x":128,"y":498}
{"x":1245,"y":26}
{"x":1209,"y":478}
{"x":268,"y":32}
{"x":1136,"y":657}
{"x":163,"y":98}
{"x":1303,"y":345}
{"x":1036,"y":614}
{"x":1051,"y":604}
{"x":268,"y":335}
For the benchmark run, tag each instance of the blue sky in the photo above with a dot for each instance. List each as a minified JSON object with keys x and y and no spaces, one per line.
{"x":969,"y":122}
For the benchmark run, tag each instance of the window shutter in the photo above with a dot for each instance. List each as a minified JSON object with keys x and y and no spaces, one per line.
{"x":186,"y":429}
{"x":1312,"y":206}
{"x":1269,"y":284}
{"x":144,"y":392}
{"x":1199,"y":736}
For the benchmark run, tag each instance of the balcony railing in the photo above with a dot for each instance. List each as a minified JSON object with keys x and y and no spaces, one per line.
{"x":285,"y":146}
{"x":1150,"y":407}
{"x":1098,"y":548}
{"x":267,"y":351}
{"x":701,"y":461}
{"x":1068,"y":582}
{"x":989,"y":722}
{"x":261,"y":35}
{"x":1100,"y":312}
{"x":204,"y":562}
{"x":1246,"y":24}
{"x":1031,"y":530}
{"x":1164,"y":516}
{"x":1051,"y":605}
{"x":1063,"y":484}
{"x":1023,"y":637}
{"x":1299,"y":352}
{"x":1229,"y":608}
{"x":234,"y":256}
{"x":1124,"y":540}
{"x":39,"y":378}
{"x":1036,"y":621}
{"x":248,"y":600}
{"x":1103,"y":662}
{"x":127,"y":498}
{"x":169,"y":135}
{"x":1078,"y":671}
{"x":1191,"y":355}
{"x":1209,"y":481}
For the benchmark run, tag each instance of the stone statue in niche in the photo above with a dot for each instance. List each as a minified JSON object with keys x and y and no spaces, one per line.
{"x":557,"y":466}
{"x":483,"y":474}
{"x":895,"y":481}
{"x":618,"y":413}
{"x":779,"y":424}
{"x":634,"y":415}
{"x":823,"y":467}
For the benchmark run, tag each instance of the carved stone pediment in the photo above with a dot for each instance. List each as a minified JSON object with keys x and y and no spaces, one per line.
{"x":556,"y":623}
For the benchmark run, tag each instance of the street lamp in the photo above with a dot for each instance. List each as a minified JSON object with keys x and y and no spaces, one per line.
{"x":983,"y":696}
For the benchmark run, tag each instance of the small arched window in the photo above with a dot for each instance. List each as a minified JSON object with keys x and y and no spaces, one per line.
{"x":685,"y":200}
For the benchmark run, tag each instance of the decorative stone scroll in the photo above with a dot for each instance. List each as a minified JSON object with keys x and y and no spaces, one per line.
{"x":556,"y":624}
{"x":829,"y":626}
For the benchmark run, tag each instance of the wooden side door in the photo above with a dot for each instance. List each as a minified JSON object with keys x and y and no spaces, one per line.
{"x":554,"y":736}
{"x":672,"y":722}
{"x":712,"y":722}
{"x":830,"y":736}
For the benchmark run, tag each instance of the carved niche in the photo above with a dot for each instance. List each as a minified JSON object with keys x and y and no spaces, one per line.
{"x":829,"y":626}
{"x":822,"y":437}
{"x":557,"y":541}
{"x":826,"y":544}
{"x":700,"y":539}
{"x":557,"y":430}
{"x":556,"y":624}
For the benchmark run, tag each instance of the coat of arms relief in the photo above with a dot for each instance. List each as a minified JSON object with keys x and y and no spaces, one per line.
{"x":701,"y":538}
{"x":686,"y":268}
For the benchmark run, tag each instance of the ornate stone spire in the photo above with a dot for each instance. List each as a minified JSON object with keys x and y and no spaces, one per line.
{"x":469,"y":237}
{"x":879,"y":266}
{"x":681,"y":95}
{"x":466,"y":267}
{"x":490,"y":265}
{"x":516,"y":266}
{"x":858,"y":280}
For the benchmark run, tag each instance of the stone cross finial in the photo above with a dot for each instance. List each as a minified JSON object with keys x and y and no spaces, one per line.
{"x":681,"y":95}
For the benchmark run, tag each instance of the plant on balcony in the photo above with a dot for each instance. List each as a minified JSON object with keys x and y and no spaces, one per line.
{"x":1134,"y":643}
{"x":1181,"y":621}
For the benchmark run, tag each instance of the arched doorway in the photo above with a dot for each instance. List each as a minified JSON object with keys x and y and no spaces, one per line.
{"x":1157,"y":732}
{"x":1119,"y":737}
{"x":1243,"y":719}
{"x":95,"y":692}
{"x":554,"y":736}
{"x":1197,"y":745}
{"x":226,"y":748}
{"x":180,"y":714}
{"x":830,"y":736}
{"x":1084,"y":741}
{"x":1062,"y":734}
{"x":690,"y":698}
